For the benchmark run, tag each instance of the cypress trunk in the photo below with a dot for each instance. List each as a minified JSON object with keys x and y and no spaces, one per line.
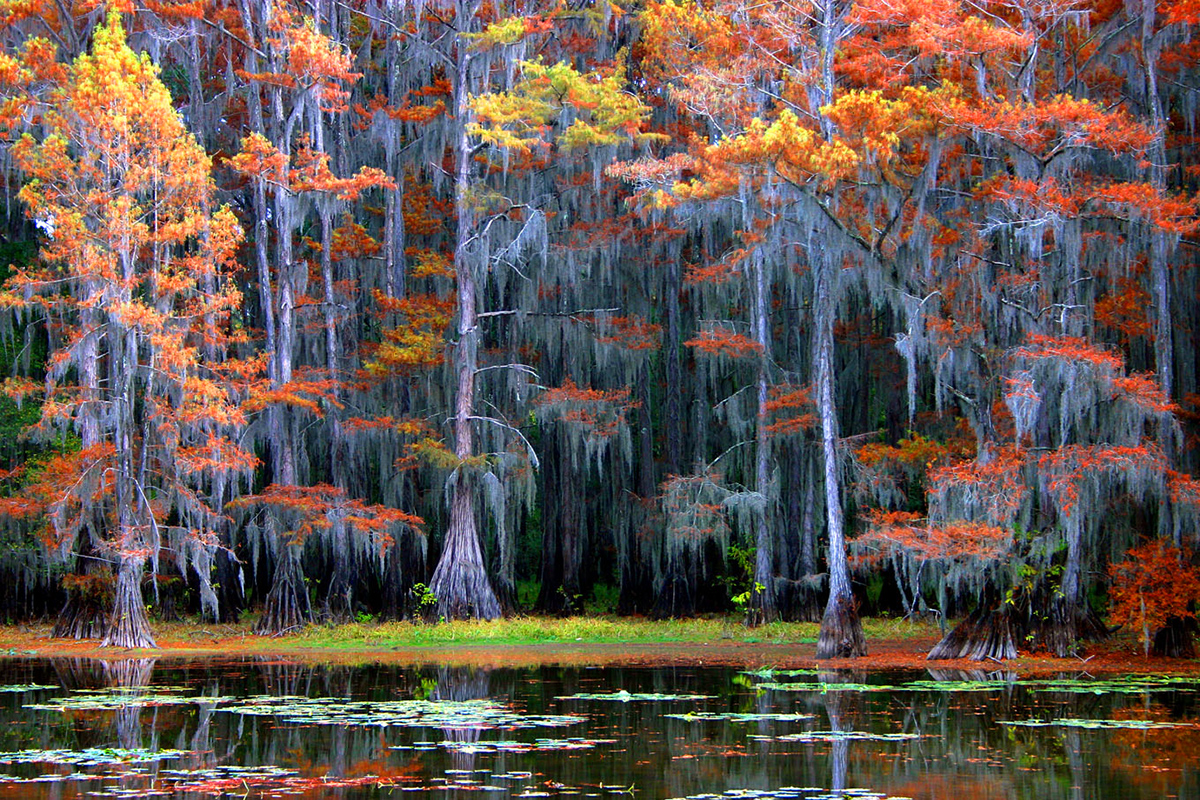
{"x":129,"y":626}
{"x":287,"y":605}
{"x":89,"y":597}
{"x":764,"y":605}
{"x":841,"y":631}
{"x":1174,"y":640}
{"x":460,"y":582}
{"x":985,"y":634}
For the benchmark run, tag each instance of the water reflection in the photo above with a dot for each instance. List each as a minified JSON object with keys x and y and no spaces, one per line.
{"x":273,"y":728}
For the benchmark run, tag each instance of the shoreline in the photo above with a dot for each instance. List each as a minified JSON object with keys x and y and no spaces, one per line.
{"x":364,"y":644}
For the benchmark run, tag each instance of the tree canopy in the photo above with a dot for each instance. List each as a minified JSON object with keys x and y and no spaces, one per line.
{"x":453,"y":308}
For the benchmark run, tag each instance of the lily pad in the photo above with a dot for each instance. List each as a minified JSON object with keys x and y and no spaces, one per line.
{"x":631,"y":697}
{"x":840,"y":736}
{"x":1132,"y":685}
{"x":91,"y":756}
{"x":956,"y":686}
{"x":1097,"y":724}
{"x":770,"y":673}
{"x":95,"y":701}
{"x":794,"y":793}
{"x":825,"y":687}
{"x":508,"y":746}
{"x":731,"y":716}
{"x":464,"y":714}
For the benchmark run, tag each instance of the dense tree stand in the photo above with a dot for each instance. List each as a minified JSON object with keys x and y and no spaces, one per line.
{"x":287,"y":605}
{"x":841,"y":633}
{"x":129,"y":626}
{"x":460,"y":582}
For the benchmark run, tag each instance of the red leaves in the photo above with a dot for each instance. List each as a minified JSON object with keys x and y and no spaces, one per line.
{"x":218,"y":456}
{"x":792,"y":409}
{"x":631,"y":333}
{"x":720,"y":342}
{"x":418,"y":339}
{"x":924,"y":541}
{"x":1071,"y":349}
{"x":600,"y":413}
{"x":993,"y":488}
{"x":307,"y":391}
{"x":1154,"y":583}
{"x":1066,"y":469}
{"x":1050,"y":126}
{"x":692,"y":505}
{"x":312,"y":508}
{"x":310,"y":173}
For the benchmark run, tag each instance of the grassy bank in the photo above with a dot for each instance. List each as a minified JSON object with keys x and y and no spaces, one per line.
{"x":586,"y":630}
{"x":574,"y":641}
{"x":518,"y":632}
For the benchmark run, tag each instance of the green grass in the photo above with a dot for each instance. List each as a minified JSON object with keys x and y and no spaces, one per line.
{"x":584,"y":630}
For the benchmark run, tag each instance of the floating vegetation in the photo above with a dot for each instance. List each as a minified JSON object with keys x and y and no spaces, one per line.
{"x":633,"y":697}
{"x":795,"y":793}
{"x":90,"y":757}
{"x":108,"y":701}
{"x":956,"y":686}
{"x":1130,"y":685}
{"x":770,"y":673}
{"x":732,"y":716}
{"x":825,"y":687}
{"x":461,"y":714}
{"x":265,"y":781}
{"x":508,"y":746}
{"x":188,"y":778}
{"x":26,"y":687}
{"x":1098,"y":724}
{"x":840,"y":736}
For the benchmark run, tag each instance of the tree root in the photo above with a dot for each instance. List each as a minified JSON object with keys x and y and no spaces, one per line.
{"x":841,"y":633}
{"x":287,"y":603}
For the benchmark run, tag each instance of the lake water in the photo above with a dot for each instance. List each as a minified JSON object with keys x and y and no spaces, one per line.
{"x":272,"y":728}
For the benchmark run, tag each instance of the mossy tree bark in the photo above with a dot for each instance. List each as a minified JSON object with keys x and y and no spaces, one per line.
{"x":129,"y":626}
{"x":460,"y":582}
{"x":287,"y":605}
{"x":841,"y":630}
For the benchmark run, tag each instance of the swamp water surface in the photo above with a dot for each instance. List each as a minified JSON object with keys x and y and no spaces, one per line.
{"x":271,"y":728}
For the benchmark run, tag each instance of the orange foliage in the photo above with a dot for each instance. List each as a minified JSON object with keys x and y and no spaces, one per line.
{"x":1125,"y":308}
{"x":725,"y":343}
{"x":419,"y":341}
{"x":1071,"y":349}
{"x":994,"y":483}
{"x":692,"y":508}
{"x":631,"y":333}
{"x":601,"y":413}
{"x":132,"y":272}
{"x":319,"y":507}
{"x":307,"y":390}
{"x":793,"y":410}
{"x":915,"y":536}
{"x":1067,"y":468}
{"x":1154,"y":583}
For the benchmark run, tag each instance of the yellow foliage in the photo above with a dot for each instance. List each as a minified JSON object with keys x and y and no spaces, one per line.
{"x":601,"y":111}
